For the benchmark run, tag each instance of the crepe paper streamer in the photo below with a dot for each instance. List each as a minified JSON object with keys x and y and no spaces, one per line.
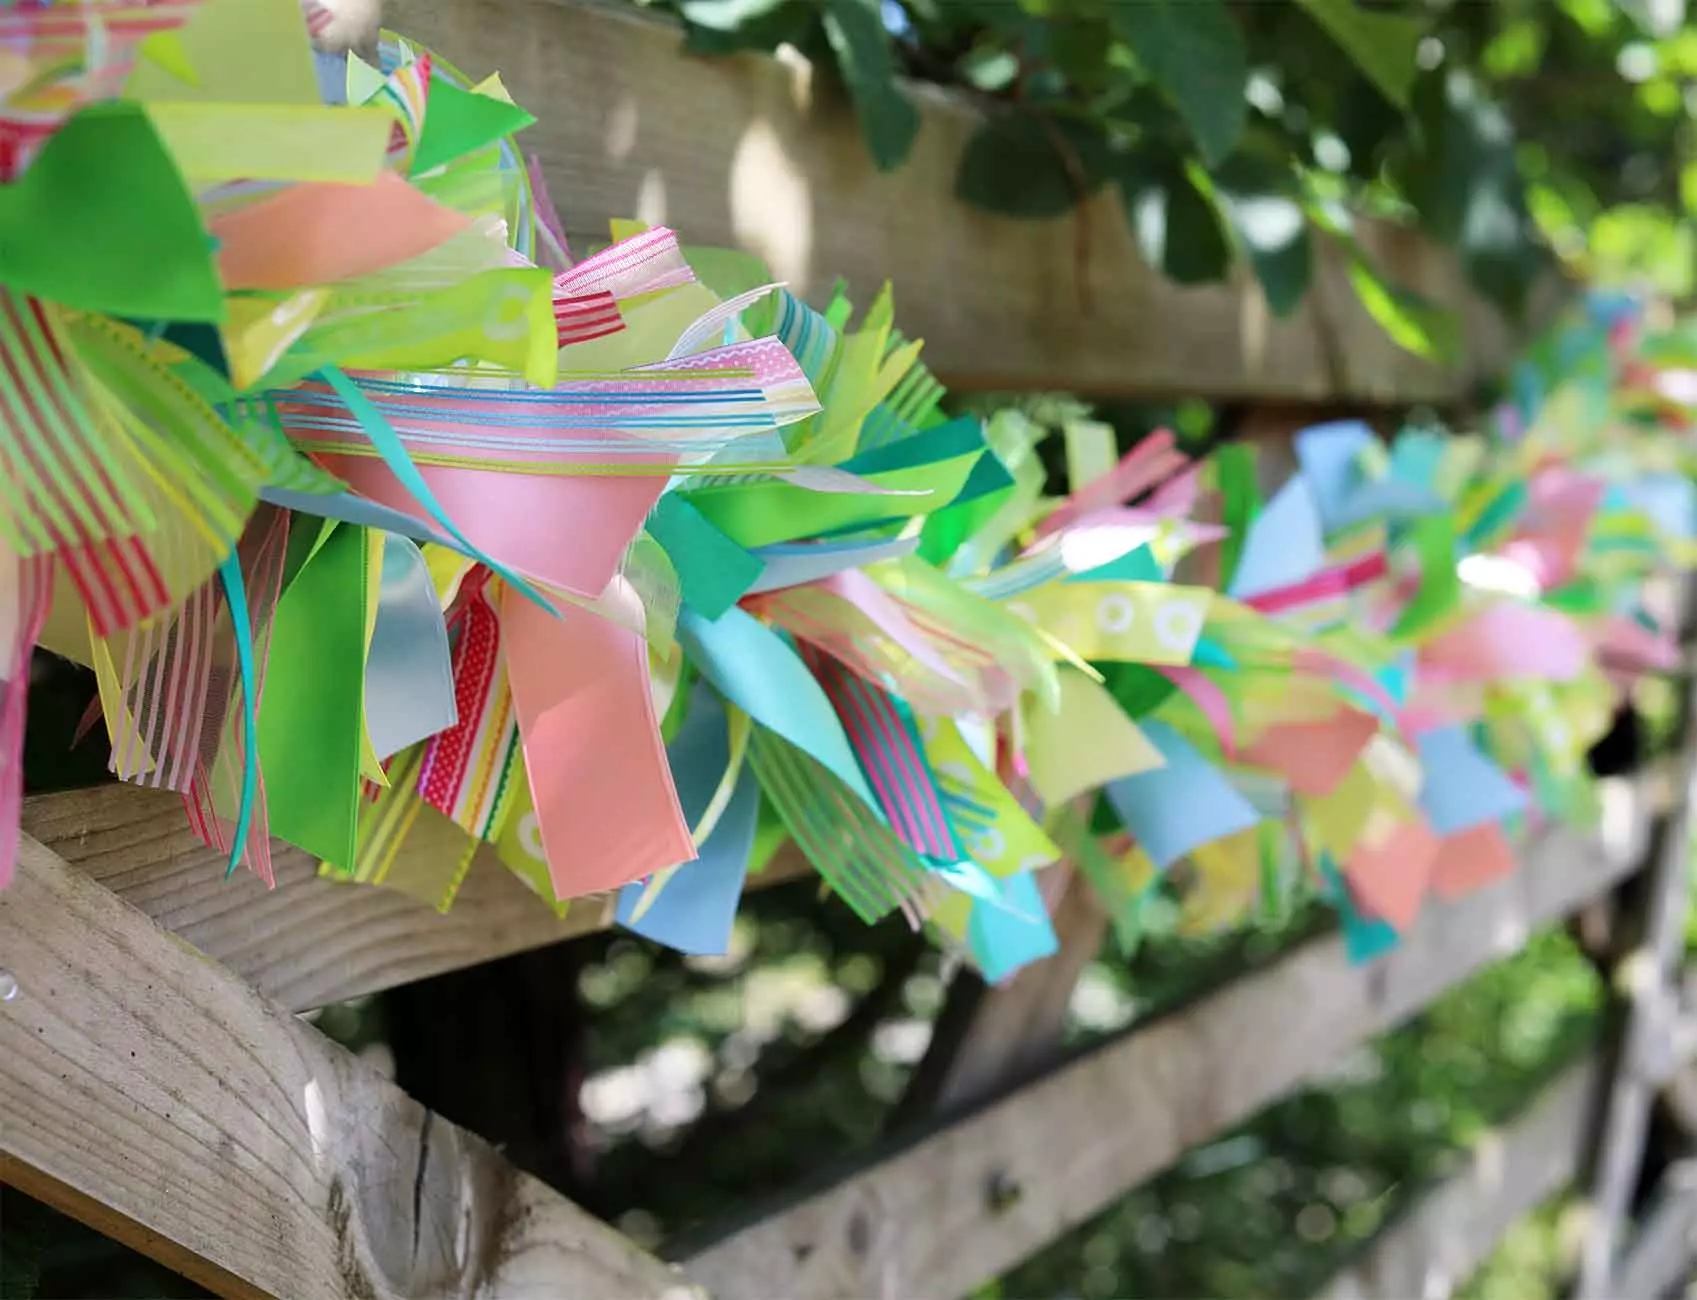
{"x":759,"y":673}
{"x":409,"y":688}
{"x":715,"y":571}
{"x":1183,"y":803}
{"x":1084,"y":743}
{"x":1461,"y":788}
{"x":1470,"y":859}
{"x":884,"y":738}
{"x":1005,"y":938}
{"x":317,"y":232}
{"x":398,"y":463}
{"x":101,"y":221}
{"x":1283,"y":546}
{"x":605,"y":805}
{"x":311,"y":716}
{"x":224,"y":142}
{"x":1153,"y":623}
{"x":791,"y":564}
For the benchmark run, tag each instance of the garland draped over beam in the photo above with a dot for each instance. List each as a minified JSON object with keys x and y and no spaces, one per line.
{"x":392,"y":530}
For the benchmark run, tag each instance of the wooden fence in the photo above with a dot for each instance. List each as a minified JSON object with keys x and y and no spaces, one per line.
{"x":156,"y":1083}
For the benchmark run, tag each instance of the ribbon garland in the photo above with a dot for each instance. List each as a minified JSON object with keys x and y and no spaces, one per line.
{"x":522,"y":516}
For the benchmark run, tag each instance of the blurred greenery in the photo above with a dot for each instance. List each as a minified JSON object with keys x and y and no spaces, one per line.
{"x":1506,"y":129}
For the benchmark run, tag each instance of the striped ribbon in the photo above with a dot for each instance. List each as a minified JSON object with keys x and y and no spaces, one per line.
{"x":699,"y":403}
{"x":34,"y":596}
{"x":580,"y":317}
{"x":854,"y":849}
{"x":213,"y":793}
{"x":466,"y":771}
{"x":407,"y":92}
{"x":807,"y":335}
{"x":644,"y":263}
{"x":75,"y":53}
{"x":882,"y":733}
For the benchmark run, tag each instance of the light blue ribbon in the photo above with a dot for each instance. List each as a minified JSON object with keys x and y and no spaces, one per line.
{"x":409,"y":675}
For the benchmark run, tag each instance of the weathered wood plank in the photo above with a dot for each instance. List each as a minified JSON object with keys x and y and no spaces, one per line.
{"x":1008,"y":1034}
{"x":159,"y":1098}
{"x":1649,"y":979}
{"x":754,"y":153}
{"x":1664,"y":1252}
{"x":1434,"y":1248}
{"x":309,"y":941}
{"x":922,"y":1221}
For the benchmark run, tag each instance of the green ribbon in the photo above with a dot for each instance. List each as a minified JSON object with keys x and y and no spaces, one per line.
{"x":101,"y":221}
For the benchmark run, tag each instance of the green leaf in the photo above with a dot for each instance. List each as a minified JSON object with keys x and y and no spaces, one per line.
{"x":1193,"y":50}
{"x":1467,"y":187}
{"x":1259,"y":199}
{"x":1175,"y":224}
{"x":1413,"y":322}
{"x":855,"y":29}
{"x":1382,"y":45}
{"x":1013,"y":165}
{"x":734,"y":26}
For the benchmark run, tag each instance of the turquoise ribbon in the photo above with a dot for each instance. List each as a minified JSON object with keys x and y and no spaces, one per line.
{"x":394,"y":453}
{"x":235,"y":595}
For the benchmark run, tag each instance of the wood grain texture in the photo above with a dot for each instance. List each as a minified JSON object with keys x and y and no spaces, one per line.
{"x":922,"y":1220}
{"x":1663,"y":1254}
{"x":1649,"y":979}
{"x":160,"y":1098}
{"x":1433,"y":1249}
{"x":309,"y":941}
{"x":1013,"y":1031}
{"x":759,"y":154}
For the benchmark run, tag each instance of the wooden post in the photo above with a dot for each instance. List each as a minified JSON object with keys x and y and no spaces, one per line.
{"x":156,"y":1097}
{"x":1649,"y":979}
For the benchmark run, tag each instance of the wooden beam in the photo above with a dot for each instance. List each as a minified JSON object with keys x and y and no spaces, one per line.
{"x":1433,"y":1249}
{"x":309,"y":941}
{"x":1649,"y":980}
{"x":1664,"y":1251}
{"x":762,"y":155}
{"x":1005,"y":1035}
{"x":158,"y":1098}
{"x":940,"y":1215}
